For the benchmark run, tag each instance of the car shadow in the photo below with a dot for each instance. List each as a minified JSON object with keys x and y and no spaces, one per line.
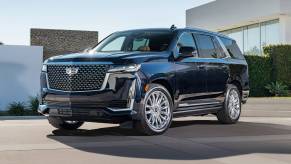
{"x":185,"y":140}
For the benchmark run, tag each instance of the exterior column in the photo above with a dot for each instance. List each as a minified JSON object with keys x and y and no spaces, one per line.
{"x":285,"y":26}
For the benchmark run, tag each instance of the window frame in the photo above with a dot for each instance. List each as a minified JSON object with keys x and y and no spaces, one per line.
{"x":195,"y":44}
{"x":211,"y":37}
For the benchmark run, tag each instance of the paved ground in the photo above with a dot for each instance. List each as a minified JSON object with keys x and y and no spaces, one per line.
{"x":267,"y":107}
{"x":190,"y":140}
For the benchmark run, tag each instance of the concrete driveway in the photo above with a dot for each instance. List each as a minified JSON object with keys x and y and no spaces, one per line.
{"x":262,"y":136}
{"x":190,"y":140}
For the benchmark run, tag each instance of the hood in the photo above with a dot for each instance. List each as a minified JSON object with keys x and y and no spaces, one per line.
{"x":118,"y":58}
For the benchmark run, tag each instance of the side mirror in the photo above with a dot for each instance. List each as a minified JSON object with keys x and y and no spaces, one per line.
{"x":186,"y":52}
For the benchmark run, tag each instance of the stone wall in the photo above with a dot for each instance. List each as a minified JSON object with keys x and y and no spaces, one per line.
{"x":59,"y":42}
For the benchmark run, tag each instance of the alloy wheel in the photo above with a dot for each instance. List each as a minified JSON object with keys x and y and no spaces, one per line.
{"x":157,"y":111}
{"x":234,"y":105}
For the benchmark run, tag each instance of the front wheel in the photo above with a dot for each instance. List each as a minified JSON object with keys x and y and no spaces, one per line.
{"x":231,"y":111}
{"x":156,"y":113}
{"x":59,"y":123}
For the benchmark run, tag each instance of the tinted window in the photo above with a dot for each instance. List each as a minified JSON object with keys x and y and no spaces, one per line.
{"x":136,"y":41}
{"x":219,"y":50}
{"x":232,"y":48}
{"x":205,"y":46}
{"x":186,"y":40}
{"x":140,"y":43}
{"x":114,"y":45}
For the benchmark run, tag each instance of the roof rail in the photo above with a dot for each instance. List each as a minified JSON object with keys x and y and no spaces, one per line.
{"x":173,"y":27}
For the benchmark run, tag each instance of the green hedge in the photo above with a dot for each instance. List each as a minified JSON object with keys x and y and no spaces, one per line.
{"x":260,"y":70}
{"x":281,"y":62}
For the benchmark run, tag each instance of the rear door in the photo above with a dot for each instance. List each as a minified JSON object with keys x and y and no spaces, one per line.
{"x":190,"y":74}
{"x":211,"y":55}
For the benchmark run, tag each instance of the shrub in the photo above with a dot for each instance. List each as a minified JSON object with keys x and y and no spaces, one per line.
{"x":277,"y":89}
{"x":16,"y":109}
{"x":281,"y":62}
{"x":260,"y":69}
{"x":33,"y":104}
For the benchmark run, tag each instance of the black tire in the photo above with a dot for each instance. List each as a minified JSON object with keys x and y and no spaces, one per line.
{"x":59,"y":123}
{"x":142,"y":125}
{"x":224,"y":116}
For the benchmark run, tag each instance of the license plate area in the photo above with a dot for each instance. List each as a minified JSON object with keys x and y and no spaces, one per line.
{"x":61,"y":112}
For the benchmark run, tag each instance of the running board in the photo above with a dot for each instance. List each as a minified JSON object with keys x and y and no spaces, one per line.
{"x":198,"y":109}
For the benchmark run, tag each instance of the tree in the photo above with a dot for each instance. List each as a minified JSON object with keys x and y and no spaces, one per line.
{"x":1,"y":43}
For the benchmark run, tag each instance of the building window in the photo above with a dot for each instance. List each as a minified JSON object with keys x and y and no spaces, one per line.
{"x":251,"y":39}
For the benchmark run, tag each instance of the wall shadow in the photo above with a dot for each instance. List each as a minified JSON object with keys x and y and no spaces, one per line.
{"x":171,"y":145}
{"x":11,"y":87}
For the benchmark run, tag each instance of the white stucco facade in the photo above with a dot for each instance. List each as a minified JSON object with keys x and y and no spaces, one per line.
{"x":222,"y":15}
{"x":20,"y":68}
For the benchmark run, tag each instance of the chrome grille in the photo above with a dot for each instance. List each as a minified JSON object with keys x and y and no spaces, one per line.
{"x":87,"y":78}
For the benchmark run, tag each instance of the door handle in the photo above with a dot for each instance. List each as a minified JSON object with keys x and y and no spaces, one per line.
{"x":202,"y":67}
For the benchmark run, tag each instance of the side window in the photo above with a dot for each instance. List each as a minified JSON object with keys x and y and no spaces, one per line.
{"x":115,"y":45}
{"x":232,"y":48}
{"x":140,"y":44}
{"x":205,"y":46}
{"x":219,"y":50}
{"x":186,"y":40}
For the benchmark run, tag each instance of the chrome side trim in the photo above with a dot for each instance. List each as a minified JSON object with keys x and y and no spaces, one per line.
{"x":197,"y":104}
{"x":123,"y":109}
{"x":131,"y":99}
{"x":43,"y":109}
{"x":195,"y":110}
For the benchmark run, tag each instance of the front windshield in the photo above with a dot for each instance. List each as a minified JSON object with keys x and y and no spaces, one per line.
{"x":152,"y":41}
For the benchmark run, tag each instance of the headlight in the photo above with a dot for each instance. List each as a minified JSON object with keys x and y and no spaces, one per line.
{"x":44,"y":68}
{"x":130,"y":68}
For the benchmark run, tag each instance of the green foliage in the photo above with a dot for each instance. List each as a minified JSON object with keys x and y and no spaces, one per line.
{"x":277,"y":89}
{"x":21,"y":109}
{"x":16,"y":109}
{"x":260,"y":75}
{"x":33,"y":104}
{"x":281,"y":62}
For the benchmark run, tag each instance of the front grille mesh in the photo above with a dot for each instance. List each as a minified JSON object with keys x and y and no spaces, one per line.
{"x":89,"y":77}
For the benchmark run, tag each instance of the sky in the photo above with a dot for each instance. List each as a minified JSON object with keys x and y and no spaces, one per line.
{"x":104,"y":16}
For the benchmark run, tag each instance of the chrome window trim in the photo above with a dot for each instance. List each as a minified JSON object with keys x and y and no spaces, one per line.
{"x":212,"y":35}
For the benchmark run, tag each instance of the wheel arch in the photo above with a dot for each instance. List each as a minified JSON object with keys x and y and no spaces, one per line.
{"x":165,"y":83}
{"x":237,"y":83}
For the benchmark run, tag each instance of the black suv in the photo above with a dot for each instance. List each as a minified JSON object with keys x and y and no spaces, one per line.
{"x":149,"y":77}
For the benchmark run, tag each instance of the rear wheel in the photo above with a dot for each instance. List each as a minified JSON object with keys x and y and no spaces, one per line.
{"x":231,"y":111}
{"x":59,"y":123}
{"x":156,"y":114}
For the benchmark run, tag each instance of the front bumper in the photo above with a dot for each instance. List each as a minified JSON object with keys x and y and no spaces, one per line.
{"x":117,"y":102}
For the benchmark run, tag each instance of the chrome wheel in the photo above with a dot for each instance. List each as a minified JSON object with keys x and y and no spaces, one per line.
{"x":157,"y":111}
{"x":234,"y":105}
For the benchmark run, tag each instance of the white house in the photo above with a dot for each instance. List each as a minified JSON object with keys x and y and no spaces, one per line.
{"x":20,"y":68}
{"x":252,"y":23}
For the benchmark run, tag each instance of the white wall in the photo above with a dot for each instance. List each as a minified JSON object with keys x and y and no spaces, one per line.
{"x":19,"y":73}
{"x":225,"y":14}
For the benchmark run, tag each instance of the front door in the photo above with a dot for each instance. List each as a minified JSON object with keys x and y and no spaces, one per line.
{"x":190,"y":74}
